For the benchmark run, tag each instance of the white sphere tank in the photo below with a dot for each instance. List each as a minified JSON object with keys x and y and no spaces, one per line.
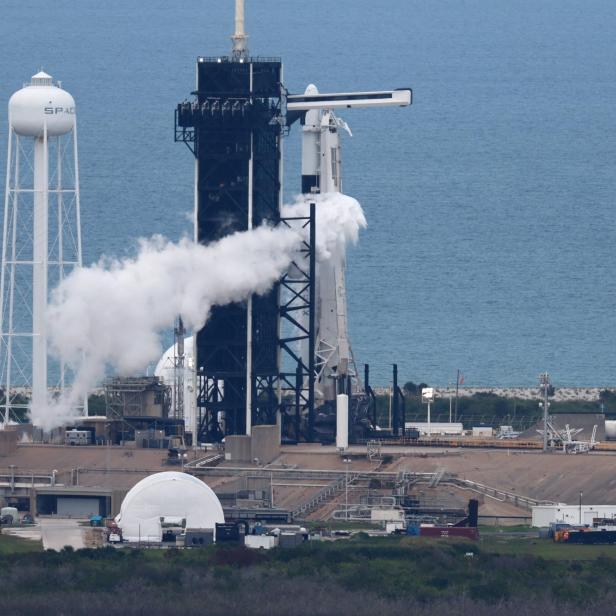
{"x":165,"y":370}
{"x":42,"y":104}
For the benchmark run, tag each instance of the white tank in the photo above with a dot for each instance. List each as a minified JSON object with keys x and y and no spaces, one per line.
{"x":610,"y":429}
{"x":41,"y":103}
{"x":165,"y":370}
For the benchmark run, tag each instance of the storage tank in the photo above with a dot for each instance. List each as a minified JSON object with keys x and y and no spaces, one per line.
{"x":166,"y":371}
{"x":40,"y":104}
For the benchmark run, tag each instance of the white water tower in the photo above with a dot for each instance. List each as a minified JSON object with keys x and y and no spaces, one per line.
{"x":41,"y":236}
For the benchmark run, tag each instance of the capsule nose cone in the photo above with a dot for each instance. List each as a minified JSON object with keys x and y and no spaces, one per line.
{"x":311,"y":89}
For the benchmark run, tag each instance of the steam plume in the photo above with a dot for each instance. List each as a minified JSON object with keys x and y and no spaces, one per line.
{"x":111,"y":315}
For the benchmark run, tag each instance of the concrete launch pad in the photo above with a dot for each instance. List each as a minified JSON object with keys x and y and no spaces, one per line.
{"x":313,"y":482}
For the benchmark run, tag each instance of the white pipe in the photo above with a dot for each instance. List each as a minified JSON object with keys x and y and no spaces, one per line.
{"x":342,"y":422}
{"x":77,"y":195}
{"x":249,"y":305}
{"x":78,"y":222}
{"x":195,"y":393}
{"x":60,"y":213}
{"x":429,"y":422}
{"x":39,"y":271}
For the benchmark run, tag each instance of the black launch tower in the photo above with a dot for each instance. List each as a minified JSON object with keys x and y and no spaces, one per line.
{"x":233,"y":128}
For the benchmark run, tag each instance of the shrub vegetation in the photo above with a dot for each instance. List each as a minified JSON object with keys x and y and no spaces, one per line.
{"x":389,"y":575}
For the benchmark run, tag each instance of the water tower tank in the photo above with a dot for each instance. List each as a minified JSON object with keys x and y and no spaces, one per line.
{"x":42,"y":103}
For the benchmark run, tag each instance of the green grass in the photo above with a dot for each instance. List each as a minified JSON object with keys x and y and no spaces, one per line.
{"x":492,"y":543}
{"x":520,"y":528}
{"x":17,"y":545}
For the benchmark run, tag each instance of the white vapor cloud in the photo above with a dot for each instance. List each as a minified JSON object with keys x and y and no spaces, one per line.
{"x":111,"y":315}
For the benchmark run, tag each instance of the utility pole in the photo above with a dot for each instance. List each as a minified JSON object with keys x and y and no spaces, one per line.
{"x":427,"y":395}
{"x":396,"y":407}
{"x":544,"y":388}
{"x":581,"y":493}
{"x":346,"y":461}
{"x":457,"y":385}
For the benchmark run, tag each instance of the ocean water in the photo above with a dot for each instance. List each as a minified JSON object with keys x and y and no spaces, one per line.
{"x":490,"y":201}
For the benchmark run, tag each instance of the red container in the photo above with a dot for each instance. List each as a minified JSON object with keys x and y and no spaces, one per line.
{"x":449,"y":531}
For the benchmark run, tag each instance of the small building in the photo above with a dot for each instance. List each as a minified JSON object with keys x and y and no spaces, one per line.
{"x":544,"y":515}
{"x":482,"y":431}
{"x":435,"y":429}
{"x":73,"y":501}
{"x":139,"y":407}
{"x":136,"y":397}
{"x":97,"y":425}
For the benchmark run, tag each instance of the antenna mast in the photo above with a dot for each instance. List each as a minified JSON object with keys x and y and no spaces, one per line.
{"x":240,"y":39}
{"x":179,"y":358}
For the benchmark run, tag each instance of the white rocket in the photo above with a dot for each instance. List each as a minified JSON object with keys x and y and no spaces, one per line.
{"x":321,"y":173}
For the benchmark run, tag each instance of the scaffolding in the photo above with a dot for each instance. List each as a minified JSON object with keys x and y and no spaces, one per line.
{"x":134,"y":405}
{"x":133,"y":397}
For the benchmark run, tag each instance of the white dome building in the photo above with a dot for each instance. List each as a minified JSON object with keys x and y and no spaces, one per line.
{"x":166,"y":372}
{"x":171,"y":497}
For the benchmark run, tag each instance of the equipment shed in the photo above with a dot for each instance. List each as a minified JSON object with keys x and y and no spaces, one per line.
{"x":544,"y":515}
{"x":73,"y":502}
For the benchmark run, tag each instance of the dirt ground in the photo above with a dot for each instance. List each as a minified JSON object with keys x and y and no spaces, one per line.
{"x":553,"y":477}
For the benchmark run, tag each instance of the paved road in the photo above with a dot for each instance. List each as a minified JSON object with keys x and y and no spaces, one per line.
{"x":58,"y":533}
{"x":33,"y":533}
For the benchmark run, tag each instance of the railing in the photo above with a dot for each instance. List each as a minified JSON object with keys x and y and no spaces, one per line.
{"x":21,"y":479}
{"x":214,"y":109}
{"x":464,"y":441}
{"x":211,"y":460}
{"x":324,"y":494}
{"x":223,"y":58}
{"x":503,"y":496}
